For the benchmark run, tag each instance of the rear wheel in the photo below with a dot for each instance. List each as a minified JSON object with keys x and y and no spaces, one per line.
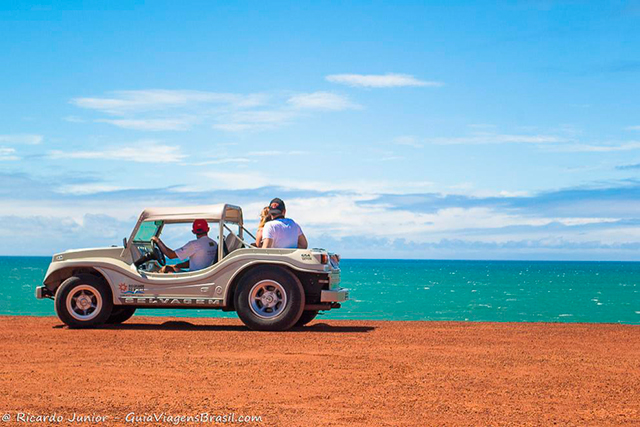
{"x":269,"y":299}
{"x":120,"y":314}
{"x":83,"y":301}
{"x":307,"y":316}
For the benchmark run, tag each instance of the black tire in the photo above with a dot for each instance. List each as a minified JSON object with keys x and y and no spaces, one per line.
{"x":92,"y":290}
{"x":274,"y":282}
{"x":120,"y":314}
{"x":307,"y":316}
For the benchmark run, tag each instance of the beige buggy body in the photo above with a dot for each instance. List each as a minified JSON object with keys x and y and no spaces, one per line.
{"x":270,"y":289}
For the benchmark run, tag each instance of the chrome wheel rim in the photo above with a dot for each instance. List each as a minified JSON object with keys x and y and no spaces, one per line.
{"x":267,"y":299}
{"x":84,"y":302}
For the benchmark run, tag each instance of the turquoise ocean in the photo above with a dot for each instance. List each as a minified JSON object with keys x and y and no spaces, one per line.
{"x":491,"y":291}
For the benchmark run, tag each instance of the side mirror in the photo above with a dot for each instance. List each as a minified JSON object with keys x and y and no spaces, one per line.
{"x":124,"y":242}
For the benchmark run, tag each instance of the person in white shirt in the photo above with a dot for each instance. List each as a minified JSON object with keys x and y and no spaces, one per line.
{"x":282,"y":232}
{"x":195,"y":255}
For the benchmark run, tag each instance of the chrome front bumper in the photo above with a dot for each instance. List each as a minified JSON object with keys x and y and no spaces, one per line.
{"x":43,"y":292}
{"x":334,"y":295}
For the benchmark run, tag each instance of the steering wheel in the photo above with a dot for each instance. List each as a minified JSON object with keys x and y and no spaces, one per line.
{"x":158,"y":255}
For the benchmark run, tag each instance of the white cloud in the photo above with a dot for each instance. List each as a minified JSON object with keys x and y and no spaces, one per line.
{"x":85,"y":189}
{"x":321,"y":101}
{"x":8,"y":154}
{"x":409,"y":141}
{"x":276,"y":153}
{"x":253,"y":120}
{"x":180,"y":110}
{"x":141,"y":152}
{"x":583,"y":221}
{"x":222,"y":160}
{"x":345,"y":215}
{"x":74,"y":119}
{"x":256,"y":120}
{"x":588,"y":148}
{"x":237,"y":127}
{"x":480,"y":138}
{"x":379,"y":80}
{"x":495,"y":138}
{"x":325,"y":212}
{"x":551,"y":142}
{"x":253,"y":180}
{"x":236,"y":181}
{"x":28,"y":139}
{"x":123,"y":102}
{"x":632,"y":128}
{"x":151,"y":124}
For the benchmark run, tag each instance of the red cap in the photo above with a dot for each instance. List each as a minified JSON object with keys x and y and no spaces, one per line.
{"x":200,"y":226}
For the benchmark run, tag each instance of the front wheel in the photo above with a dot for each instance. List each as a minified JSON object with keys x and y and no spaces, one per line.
{"x":83,"y":301}
{"x":269,"y":299}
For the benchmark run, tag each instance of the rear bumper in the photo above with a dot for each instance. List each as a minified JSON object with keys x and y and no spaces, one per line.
{"x":335,"y":295}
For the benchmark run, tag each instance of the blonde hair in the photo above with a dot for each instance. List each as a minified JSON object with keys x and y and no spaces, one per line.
{"x":264,"y":217}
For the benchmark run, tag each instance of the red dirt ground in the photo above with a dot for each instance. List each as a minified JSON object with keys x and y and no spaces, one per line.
{"x":332,"y":373}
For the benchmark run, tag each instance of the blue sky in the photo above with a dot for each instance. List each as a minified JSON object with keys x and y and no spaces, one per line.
{"x":480,"y":130}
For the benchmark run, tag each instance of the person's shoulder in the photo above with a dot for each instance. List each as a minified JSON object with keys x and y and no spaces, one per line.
{"x":190,"y":243}
{"x":292,"y":223}
{"x":269,"y":225}
{"x":271,"y":228}
{"x":187,"y":246}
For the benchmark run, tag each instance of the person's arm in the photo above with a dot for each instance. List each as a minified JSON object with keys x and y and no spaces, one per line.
{"x":302,"y":242}
{"x":169,"y":253}
{"x":176,"y":268}
{"x":267,"y":236}
{"x":302,"y":239}
{"x":259,"y":237}
{"x":184,"y":264}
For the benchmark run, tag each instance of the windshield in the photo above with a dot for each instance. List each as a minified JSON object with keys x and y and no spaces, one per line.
{"x":147,"y":230}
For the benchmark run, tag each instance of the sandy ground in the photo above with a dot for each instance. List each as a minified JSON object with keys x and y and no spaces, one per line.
{"x":333,"y":373}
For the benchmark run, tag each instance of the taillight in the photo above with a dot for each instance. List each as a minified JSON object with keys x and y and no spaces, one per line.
{"x":324,"y":259}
